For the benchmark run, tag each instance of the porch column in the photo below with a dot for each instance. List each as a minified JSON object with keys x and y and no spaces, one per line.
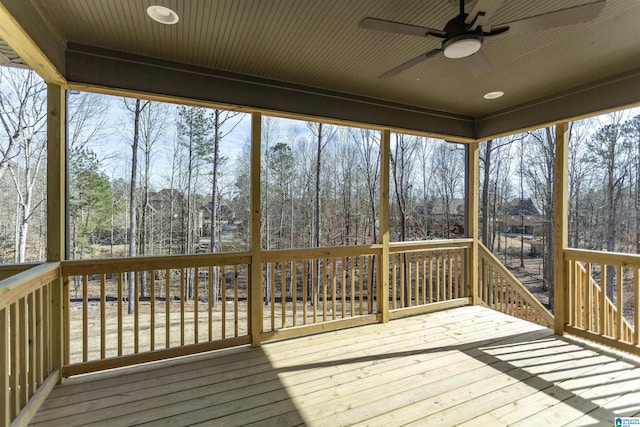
{"x":560,"y":226}
{"x":471,"y":214}
{"x":383,"y":264}
{"x":56,"y":218}
{"x":255,"y":285}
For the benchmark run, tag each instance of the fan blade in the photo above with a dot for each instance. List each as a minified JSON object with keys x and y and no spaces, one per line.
{"x":398,"y":28}
{"x":478,"y":64}
{"x":486,"y":9}
{"x":573,"y":15}
{"x":415,"y":61}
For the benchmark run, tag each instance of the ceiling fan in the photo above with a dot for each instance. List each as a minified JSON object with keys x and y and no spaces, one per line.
{"x":463,"y":35}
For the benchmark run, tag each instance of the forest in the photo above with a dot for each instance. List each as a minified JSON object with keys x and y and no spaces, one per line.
{"x":150,"y":178}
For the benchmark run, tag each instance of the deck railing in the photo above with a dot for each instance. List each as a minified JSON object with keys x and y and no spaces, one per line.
{"x":604,"y":297}
{"x":130,"y":310}
{"x":184,"y":304}
{"x":501,"y":290}
{"x":427,"y":272}
{"x":308,"y":290}
{"x":8,"y":270}
{"x":25,"y":326}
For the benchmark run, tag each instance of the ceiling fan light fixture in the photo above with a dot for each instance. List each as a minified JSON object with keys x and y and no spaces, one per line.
{"x":462,"y":46}
{"x":162,"y":14}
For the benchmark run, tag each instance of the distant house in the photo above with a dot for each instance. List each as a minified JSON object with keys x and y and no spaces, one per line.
{"x":516,"y":223}
{"x":226,"y":216}
{"x":440,"y":208}
{"x":167,"y":207}
{"x":448,"y":216}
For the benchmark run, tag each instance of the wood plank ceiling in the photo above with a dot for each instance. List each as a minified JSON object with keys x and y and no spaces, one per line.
{"x":318,"y":45}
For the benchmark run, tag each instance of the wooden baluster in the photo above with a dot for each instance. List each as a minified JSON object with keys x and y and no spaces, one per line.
{"x":120,"y":303}
{"x":136,"y":312}
{"x":85,"y":321}
{"x":323,"y":284}
{"x":283,"y":294}
{"x":334,"y":284}
{"x":236,"y":296}
{"x":424,"y":277}
{"x":103,"y":316}
{"x":588,"y":299}
{"x":14,"y":369}
{"x":579,"y":306}
{"x":305,"y":297}
{"x":167,"y":308}
{"x":438,"y":256}
{"x":402,"y":280}
{"x":196,"y":291}
{"x":272,"y":287}
{"x":31,"y":343}
{"x":636,"y":306}
{"x":370,"y":278}
{"x":571,"y":292}
{"x":39,"y":337}
{"x":344,"y":287}
{"x":619,"y":301}
{"x":361,"y":283}
{"x":152,"y":315}
{"x":223,"y":292}
{"x":430,"y":277}
{"x":182,"y":297}
{"x":409,"y":279}
{"x":5,"y":374}
{"x":210,"y":302}
{"x":294,"y":290}
{"x":315,"y":283}
{"x":450,"y":274}
{"x":353,"y":286}
{"x":415,"y":279}
{"x":46,"y":334}
{"x":394,"y":281}
{"x":416,"y":289}
{"x":23,"y":351}
{"x":456,"y":279}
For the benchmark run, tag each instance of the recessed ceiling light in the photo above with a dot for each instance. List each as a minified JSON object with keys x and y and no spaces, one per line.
{"x":493,"y":95}
{"x":162,"y":14}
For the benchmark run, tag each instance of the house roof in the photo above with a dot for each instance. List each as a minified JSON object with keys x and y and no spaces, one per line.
{"x":522,"y":207}
{"x":310,"y":58}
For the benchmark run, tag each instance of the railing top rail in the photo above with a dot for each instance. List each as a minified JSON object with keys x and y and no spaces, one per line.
{"x":18,"y":267}
{"x":532,"y":300}
{"x":17,"y":286}
{"x":603,"y":257}
{"x":429,"y":244}
{"x":324,"y":252}
{"x":141,"y":263}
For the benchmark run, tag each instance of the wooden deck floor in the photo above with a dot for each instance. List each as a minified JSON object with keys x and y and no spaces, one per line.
{"x":470,"y":366}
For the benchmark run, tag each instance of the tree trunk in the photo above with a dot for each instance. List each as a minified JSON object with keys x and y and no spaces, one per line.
{"x":316,"y":221}
{"x":132,"y":201}
{"x":485,"y":193}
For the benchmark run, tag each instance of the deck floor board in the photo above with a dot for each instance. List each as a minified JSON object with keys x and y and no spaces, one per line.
{"x":466,"y":366}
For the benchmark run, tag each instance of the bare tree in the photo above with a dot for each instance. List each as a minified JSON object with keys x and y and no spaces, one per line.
{"x":609,"y":154}
{"x":22,"y":152}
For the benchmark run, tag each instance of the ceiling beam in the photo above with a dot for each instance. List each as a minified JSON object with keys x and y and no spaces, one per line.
{"x":102,"y":68}
{"x":23,"y":28}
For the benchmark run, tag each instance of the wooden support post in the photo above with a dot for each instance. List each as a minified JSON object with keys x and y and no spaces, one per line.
{"x":383,"y":262}
{"x":560,"y":227}
{"x":255,"y":292}
{"x":56,"y":196}
{"x":471,"y":214}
